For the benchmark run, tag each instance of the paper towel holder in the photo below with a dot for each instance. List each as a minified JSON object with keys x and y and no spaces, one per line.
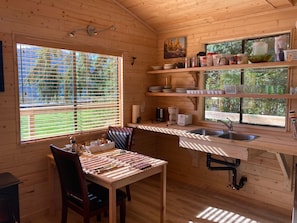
{"x":136,"y":118}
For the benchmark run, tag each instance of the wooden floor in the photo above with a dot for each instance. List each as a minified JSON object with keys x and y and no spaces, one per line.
{"x":187,"y":204}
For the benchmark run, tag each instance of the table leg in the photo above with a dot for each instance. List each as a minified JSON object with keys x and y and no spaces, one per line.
{"x":163,"y":195}
{"x":112,"y":205}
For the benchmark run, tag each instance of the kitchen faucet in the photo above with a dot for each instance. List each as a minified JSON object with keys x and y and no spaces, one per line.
{"x":228,"y":124}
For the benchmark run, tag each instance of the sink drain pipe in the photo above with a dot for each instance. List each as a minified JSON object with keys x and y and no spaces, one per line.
{"x":228,"y":166}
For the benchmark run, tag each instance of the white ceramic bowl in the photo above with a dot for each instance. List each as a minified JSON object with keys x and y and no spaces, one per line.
{"x":181,"y":90}
{"x":155,"y":88}
{"x":168,"y":66}
{"x":167,"y":90}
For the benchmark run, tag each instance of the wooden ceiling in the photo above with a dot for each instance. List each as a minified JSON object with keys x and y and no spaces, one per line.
{"x":162,"y":16}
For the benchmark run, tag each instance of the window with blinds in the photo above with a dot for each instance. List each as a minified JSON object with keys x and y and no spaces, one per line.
{"x":63,"y":92}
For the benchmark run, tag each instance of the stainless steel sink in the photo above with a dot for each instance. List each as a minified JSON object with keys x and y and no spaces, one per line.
{"x":238,"y":136}
{"x":224,"y":134}
{"x":209,"y":132}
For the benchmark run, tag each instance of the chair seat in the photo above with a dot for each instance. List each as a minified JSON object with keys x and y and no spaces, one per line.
{"x":98,"y":197}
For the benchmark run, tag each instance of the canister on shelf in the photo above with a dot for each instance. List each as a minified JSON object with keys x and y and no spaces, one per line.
{"x":232,"y":60}
{"x":187,"y":62}
{"x":203,"y":61}
{"x":200,"y":54}
{"x":193,"y":62}
{"x":209,"y":59}
{"x":216,"y":59}
{"x":242,"y":58}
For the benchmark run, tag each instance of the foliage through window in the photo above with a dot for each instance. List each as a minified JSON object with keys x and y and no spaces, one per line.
{"x":257,"y":111}
{"x":63,"y":92}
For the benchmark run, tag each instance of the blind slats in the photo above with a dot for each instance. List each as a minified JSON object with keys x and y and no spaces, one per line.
{"x":64,"y":91}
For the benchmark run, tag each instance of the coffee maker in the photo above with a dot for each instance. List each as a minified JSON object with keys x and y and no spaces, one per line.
{"x":173,"y":112}
{"x":160,"y":114}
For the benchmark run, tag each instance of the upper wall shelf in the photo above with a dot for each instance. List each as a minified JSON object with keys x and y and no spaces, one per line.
{"x":228,"y":67}
{"x":247,"y":95}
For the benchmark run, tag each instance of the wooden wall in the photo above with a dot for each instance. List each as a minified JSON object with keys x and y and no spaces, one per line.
{"x":51,"y":20}
{"x":266,"y":182}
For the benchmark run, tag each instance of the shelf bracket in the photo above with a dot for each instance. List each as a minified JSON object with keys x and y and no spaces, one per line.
{"x":286,"y":164}
{"x":283,"y":164}
{"x":194,"y":101}
{"x":195,"y":76}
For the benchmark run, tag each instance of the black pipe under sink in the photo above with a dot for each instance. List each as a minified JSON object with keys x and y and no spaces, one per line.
{"x":227,"y":166}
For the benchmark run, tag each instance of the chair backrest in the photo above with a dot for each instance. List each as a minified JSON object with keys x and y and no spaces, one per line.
{"x":122,"y":136}
{"x":72,"y":178}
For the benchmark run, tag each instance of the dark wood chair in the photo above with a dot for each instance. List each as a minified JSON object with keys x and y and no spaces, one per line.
{"x":123,"y":138}
{"x":86,"y":198}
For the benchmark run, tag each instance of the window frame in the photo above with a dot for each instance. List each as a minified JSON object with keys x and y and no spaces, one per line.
{"x":243,"y":42}
{"x":24,"y":39}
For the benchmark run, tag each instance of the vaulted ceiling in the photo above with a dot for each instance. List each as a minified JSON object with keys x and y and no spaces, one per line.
{"x":163,"y":16}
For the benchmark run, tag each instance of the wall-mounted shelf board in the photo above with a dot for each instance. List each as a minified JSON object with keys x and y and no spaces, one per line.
{"x":228,"y":67}
{"x":280,"y":96}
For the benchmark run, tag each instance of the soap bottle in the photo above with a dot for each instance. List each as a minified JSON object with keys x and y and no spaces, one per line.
{"x":281,"y":55}
{"x":73,"y":143}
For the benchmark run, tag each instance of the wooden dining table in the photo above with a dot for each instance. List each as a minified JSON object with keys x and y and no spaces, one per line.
{"x":116,"y":168}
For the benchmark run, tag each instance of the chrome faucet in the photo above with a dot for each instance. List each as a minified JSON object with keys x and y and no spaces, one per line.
{"x":228,"y":124}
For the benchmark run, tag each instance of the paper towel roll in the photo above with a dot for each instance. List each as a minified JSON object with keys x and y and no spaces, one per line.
{"x":135,"y":113}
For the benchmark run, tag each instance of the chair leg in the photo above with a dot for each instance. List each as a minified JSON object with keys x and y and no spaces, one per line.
{"x":128,"y":192}
{"x":64,"y":214}
{"x":123,"y":212}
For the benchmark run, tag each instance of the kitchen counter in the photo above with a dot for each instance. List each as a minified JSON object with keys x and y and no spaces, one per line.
{"x":274,"y":142}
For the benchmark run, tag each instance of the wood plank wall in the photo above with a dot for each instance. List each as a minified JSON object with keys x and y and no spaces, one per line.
{"x":266,"y":181}
{"x":51,"y":20}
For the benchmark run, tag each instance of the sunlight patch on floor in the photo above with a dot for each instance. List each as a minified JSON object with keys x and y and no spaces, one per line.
{"x":222,"y":216}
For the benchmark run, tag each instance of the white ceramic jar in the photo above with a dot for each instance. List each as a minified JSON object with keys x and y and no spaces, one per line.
{"x":260,"y":48}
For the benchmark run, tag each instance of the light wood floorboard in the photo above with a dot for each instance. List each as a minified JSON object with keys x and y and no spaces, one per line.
{"x":184,"y":204}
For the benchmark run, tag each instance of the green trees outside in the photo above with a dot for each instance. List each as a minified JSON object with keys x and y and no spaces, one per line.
{"x":268,"y":81}
{"x":62,"y":76}
{"x":64,"y":91}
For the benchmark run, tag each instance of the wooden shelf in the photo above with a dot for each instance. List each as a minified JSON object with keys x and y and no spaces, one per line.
{"x":247,"y":95}
{"x":194,"y":71}
{"x":228,"y":67}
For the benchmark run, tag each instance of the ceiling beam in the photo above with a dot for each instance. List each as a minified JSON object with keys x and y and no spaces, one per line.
{"x":135,"y":16}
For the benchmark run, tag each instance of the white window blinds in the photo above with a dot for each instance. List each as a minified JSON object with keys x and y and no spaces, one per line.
{"x":63,"y":92}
